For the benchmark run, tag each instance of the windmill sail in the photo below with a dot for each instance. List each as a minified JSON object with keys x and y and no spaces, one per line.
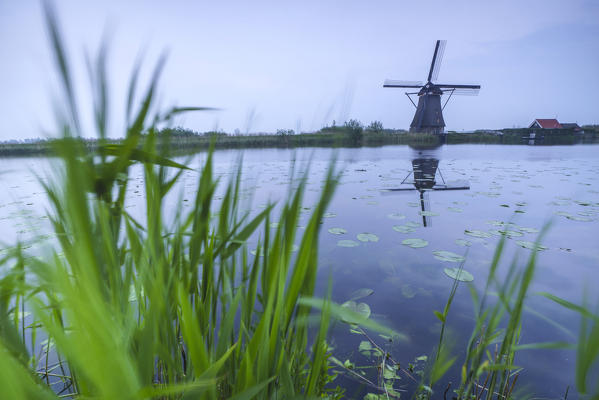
{"x":433,"y":74}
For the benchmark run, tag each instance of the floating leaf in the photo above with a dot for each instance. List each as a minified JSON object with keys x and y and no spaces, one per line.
{"x":457,"y":274}
{"x":347,"y":243}
{"x":478,"y":234}
{"x":367,"y":237}
{"x":463,"y":242}
{"x":274,"y":225}
{"x":337,"y":231}
{"x":413,"y":224}
{"x":329,"y":215}
{"x":531,"y":245}
{"x":361,"y":293}
{"x":455,"y":209}
{"x":581,"y":219}
{"x":415,"y":243}
{"x":407,"y":291}
{"x":396,"y":216}
{"x":448,"y":256}
{"x":255,"y":252}
{"x":428,"y":213}
{"x":362,"y":309}
{"x":403,"y":228}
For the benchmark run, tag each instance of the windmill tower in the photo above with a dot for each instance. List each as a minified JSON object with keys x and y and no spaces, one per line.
{"x":429,"y":111}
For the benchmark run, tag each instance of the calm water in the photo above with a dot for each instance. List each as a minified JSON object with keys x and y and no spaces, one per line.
{"x":528,"y":186}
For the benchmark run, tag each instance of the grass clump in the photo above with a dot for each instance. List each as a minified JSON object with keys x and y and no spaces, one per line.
{"x":161,"y":307}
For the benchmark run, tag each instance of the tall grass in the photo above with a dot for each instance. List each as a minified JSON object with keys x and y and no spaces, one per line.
{"x":159,"y":307}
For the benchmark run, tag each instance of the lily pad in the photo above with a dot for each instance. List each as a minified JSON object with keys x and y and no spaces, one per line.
{"x":529,"y":230}
{"x":460,"y":275}
{"x":463,"y":242}
{"x":362,"y":309}
{"x":531,"y":245}
{"x":403,"y":228}
{"x":448,"y":256}
{"x":367,"y":237}
{"x":428,"y":213}
{"x":361,"y":293}
{"x":407,"y":291}
{"x":415,"y":243}
{"x":347,"y":243}
{"x":478,"y":234}
{"x":396,"y":216}
{"x":337,"y":231}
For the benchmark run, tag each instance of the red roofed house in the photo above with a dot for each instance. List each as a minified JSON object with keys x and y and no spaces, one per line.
{"x":546,"y":124}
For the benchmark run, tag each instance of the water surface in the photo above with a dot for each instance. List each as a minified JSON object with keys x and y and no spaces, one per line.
{"x":527,"y":186}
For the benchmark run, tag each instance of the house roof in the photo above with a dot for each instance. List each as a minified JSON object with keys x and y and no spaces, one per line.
{"x":548,"y":123}
{"x":569,"y":125}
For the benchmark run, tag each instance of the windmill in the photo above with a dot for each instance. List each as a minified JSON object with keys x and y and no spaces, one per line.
{"x":429,"y":112}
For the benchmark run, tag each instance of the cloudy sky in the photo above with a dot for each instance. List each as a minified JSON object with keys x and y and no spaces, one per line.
{"x":270,"y":65}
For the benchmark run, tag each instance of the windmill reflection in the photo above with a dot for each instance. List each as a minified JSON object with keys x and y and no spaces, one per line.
{"x":425,"y":170}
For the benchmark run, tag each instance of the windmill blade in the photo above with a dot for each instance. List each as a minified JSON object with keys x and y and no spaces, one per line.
{"x":433,"y":73}
{"x":466,"y":92}
{"x":461,"y":92}
{"x":402,"y":84}
{"x":450,"y":86}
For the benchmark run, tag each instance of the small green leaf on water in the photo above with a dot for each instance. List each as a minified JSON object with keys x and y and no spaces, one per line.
{"x":529,"y":230}
{"x":463,"y":242}
{"x":414,"y":243}
{"x":274,"y":225}
{"x":367,"y":237}
{"x":455,"y":273}
{"x":329,"y":215}
{"x":407,"y":291}
{"x":581,"y":219}
{"x":396,"y":216}
{"x":478,"y":234}
{"x":403,"y":229}
{"x":448,"y":256}
{"x":362,"y":309}
{"x":530,"y":245}
{"x":255,"y":252}
{"x":428,"y":213}
{"x":421,"y":358}
{"x":455,"y":209}
{"x":361,"y":293}
{"x":347,"y":243}
{"x":337,"y":231}
{"x":413,"y":224}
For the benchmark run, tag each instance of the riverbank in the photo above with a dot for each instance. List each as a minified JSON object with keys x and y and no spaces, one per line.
{"x":182,"y":140}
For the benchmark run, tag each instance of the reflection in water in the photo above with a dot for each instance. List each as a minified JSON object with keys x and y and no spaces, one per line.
{"x":425,"y":168}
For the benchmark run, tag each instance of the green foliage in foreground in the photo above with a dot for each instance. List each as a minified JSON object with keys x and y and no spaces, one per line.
{"x":161,"y":307}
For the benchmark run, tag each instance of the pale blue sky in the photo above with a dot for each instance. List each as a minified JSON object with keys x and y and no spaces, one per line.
{"x":310,"y":62}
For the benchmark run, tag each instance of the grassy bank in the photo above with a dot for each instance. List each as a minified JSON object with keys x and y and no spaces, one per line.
{"x":183,"y":141}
